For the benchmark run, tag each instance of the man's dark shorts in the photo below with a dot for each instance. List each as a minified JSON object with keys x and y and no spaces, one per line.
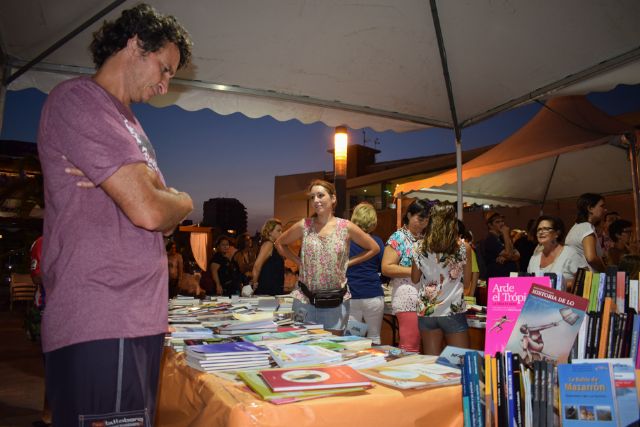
{"x":110,"y":382}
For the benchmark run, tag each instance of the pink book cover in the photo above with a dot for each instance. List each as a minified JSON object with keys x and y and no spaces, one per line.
{"x":505,"y":298}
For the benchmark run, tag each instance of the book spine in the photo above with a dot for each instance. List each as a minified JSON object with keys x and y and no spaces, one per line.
{"x":518,"y":390}
{"x":500,"y":397}
{"x":604,"y":331}
{"x":578,"y":282}
{"x":536,"y":393}
{"x":543,"y":393}
{"x":588,"y":339}
{"x":597,"y":327}
{"x":621,"y":335}
{"x":626,"y":290}
{"x":477,"y":392}
{"x":482,"y":383}
{"x":633,"y":295}
{"x":469,"y":368}
{"x":488,"y":402}
{"x":466,"y":409}
{"x":635,"y":334}
{"x":551,"y":380}
{"x":508,"y":364}
{"x":494,"y":390}
{"x":613,"y":318}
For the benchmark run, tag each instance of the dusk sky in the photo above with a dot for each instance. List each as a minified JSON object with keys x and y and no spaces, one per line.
{"x":209,"y":155}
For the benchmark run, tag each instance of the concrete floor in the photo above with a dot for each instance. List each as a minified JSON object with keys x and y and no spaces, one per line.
{"x":21,"y":369}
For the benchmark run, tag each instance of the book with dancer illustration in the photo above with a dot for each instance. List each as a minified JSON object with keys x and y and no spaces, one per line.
{"x":547,"y":326}
{"x":505,"y":298}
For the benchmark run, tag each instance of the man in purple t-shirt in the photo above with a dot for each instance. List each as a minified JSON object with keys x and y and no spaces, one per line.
{"x":107,"y":208}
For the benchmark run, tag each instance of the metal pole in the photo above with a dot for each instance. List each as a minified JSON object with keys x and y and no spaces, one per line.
{"x":3,"y":89}
{"x":459,"y":176}
{"x":457,"y":129}
{"x":341,"y":195}
{"x":399,"y":211}
{"x":62,"y":41}
{"x":632,"y":139}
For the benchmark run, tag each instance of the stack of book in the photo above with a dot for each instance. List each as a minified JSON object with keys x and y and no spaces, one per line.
{"x":244,"y":328}
{"x":190,"y":332}
{"x":290,"y":385}
{"x":230,"y":356}
{"x":276,"y":338}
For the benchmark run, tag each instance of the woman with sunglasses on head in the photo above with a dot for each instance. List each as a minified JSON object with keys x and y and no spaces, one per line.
{"x":396,"y":264}
{"x":551,"y":256}
{"x":321,"y":295}
{"x":441,"y":263}
{"x":583,"y":237}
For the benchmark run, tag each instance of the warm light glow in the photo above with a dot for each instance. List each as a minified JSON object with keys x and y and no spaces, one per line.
{"x":340,"y":155}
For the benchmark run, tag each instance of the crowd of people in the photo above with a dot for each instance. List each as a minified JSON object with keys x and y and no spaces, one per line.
{"x":597,"y":239}
{"x":108,"y":274}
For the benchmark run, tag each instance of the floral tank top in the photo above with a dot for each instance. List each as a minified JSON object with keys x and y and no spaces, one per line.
{"x":441,"y":290}
{"x":404,"y":293}
{"x":323,"y":259}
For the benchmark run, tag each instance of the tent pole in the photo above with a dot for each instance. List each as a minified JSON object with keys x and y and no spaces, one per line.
{"x":3,"y":88}
{"x":9,"y":78}
{"x":399,"y":211}
{"x":632,"y":139}
{"x":459,"y":175}
{"x":457,"y":129}
{"x":546,"y":190}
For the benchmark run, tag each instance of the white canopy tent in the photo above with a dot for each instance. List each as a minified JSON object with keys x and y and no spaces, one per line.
{"x":386,"y":64}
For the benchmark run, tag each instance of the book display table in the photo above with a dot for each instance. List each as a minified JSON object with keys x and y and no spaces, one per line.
{"x":188,"y":397}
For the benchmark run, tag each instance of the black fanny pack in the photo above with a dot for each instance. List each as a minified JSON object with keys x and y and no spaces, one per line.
{"x":324,"y":299}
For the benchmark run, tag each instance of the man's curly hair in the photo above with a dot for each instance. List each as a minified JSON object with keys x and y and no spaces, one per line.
{"x":153,"y":30}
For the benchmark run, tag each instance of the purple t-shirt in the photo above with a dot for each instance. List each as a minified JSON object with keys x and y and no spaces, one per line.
{"x":104,"y":277}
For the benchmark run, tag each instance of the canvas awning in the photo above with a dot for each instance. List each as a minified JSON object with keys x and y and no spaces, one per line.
{"x":569,"y":148}
{"x":374,"y":63}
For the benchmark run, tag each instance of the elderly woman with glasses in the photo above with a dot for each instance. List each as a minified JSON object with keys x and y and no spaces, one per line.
{"x":551,"y":256}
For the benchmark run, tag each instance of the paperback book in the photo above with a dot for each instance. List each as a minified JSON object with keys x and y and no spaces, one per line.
{"x":586,"y":395}
{"x":327,"y":377}
{"x":256,"y":383}
{"x":625,"y":388}
{"x":505,"y":298}
{"x":414,"y":375}
{"x":547,"y":326}
{"x":454,"y":356}
{"x":226,"y":350}
{"x":291,"y":355}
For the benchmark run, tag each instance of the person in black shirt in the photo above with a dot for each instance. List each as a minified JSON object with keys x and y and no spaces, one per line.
{"x":497,"y":249}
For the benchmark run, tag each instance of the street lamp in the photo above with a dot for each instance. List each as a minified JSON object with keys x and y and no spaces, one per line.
{"x":340,"y":142}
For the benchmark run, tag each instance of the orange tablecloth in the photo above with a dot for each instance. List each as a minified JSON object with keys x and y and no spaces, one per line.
{"x":191,"y":398}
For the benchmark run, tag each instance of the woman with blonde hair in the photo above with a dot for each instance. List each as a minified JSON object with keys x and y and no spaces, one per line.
{"x":439,"y":266}
{"x":321,"y":295}
{"x":367,"y":296}
{"x":268,"y":270}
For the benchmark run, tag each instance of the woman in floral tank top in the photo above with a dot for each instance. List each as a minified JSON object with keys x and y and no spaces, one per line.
{"x":439,"y":266}
{"x":324,"y":256}
{"x":396,"y":264}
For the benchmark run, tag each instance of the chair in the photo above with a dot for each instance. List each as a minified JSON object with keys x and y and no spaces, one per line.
{"x":21,"y":289}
